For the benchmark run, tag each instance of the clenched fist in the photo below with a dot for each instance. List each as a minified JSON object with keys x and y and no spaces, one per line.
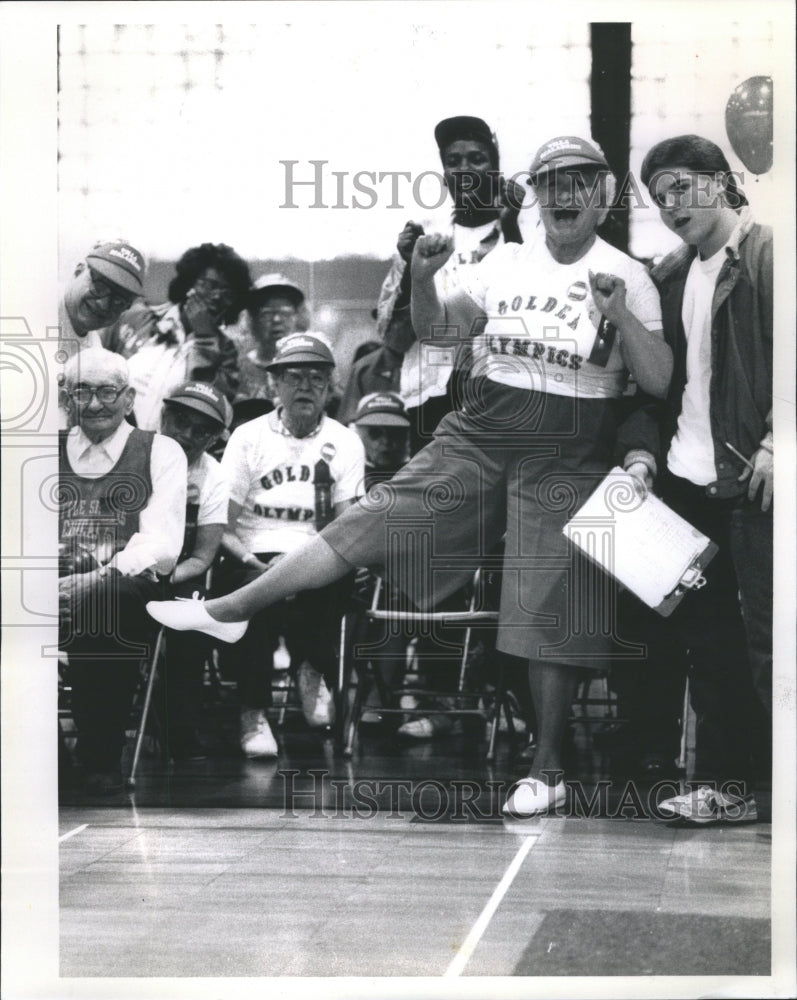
{"x":407,"y":238}
{"x":430,"y":254}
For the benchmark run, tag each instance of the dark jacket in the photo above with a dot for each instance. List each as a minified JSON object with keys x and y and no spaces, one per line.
{"x":379,"y":371}
{"x":741,"y":349}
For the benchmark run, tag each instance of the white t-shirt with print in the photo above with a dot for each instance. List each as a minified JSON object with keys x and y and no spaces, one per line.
{"x":270,"y":474}
{"x":543,"y":329}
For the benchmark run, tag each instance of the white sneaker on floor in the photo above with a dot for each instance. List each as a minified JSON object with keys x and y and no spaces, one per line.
{"x":186,"y":615}
{"x":531,"y":796}
{"x":257,"y":740}
{"x":707,"y":805}
{"x":427,"y":727}
{"x":317,"y":704}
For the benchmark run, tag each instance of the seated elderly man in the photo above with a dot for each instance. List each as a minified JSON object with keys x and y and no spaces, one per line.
{"x":122,"y":494}
{"x":290,"y":472}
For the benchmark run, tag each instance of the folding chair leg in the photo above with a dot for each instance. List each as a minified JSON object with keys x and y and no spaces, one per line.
{"x":345,"y":667}
{"x":498,"y":704}
{"x":509,"y":715}
{"x":681,"y":762}
{"x":131,"y":781}
{"x":360,"y":693}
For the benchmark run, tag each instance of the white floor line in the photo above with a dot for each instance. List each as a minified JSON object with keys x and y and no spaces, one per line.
{"x":469,"y":945}
{"x":71,"y":833}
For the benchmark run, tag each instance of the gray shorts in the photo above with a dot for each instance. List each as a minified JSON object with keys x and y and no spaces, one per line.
{"x":512,"y":463}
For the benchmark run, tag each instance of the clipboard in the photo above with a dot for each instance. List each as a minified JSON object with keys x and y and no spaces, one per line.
{"x":641,"y":543}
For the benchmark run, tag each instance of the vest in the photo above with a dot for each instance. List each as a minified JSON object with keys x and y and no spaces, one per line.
{"x":98,"y":517}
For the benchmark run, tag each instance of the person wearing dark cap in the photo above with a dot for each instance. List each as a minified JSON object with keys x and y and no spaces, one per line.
{"x":184,"y":339}
{"x":101,"y":287}
{"x":717,"y":307}
{"x":485,"y":214}
{"x":381,"y":421}
{"x":195,"y":415}
{"x":290,"y":472}
{"x":275,"y":307}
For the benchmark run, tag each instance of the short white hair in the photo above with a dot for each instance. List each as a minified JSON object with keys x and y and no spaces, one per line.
{"x":96,"y":362}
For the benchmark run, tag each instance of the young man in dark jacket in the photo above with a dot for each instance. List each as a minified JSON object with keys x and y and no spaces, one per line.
{"x":716,"y":299}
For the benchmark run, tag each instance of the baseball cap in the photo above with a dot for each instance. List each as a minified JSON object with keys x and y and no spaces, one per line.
{"x":464,"y":127}
{"x":275,"y":284}
{"x":301,"y":348}
{"x":120,"y":263}
{"x":565,"y":151}
{"x":205,"y":399}
{"x":381,"y":409}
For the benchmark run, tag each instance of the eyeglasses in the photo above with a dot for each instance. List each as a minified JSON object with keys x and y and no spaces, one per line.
{"x":106,"y":394}
{"x":391,"y":434}
{"x":294,"y":377}
{"x":191,"y":425}
{"x":101,"y":289}
{"x":221,"y":291}
{"x":286,"y":311}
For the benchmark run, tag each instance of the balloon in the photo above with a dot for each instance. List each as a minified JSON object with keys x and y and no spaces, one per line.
{"x":748,"y":122}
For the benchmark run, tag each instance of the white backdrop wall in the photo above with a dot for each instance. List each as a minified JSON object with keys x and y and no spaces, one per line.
{"x":172,"y":134}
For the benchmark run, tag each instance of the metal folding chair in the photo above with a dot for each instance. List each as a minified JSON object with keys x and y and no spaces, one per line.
{"x":356,"y":658}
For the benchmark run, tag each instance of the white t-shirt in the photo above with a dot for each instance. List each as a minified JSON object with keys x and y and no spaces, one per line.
{"x":427,"y":366}
{"x":543,"y":327}
{"x":691,"y":454}
{"x":270,"y":474}
{"x":207,"y":487}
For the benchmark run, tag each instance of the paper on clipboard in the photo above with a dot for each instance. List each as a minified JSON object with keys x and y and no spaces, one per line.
{"x":649,"y":548}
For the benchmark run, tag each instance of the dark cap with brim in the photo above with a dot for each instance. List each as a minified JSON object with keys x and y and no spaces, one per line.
{"x":119,"y":263}
{"x":301,"y":349}
{"x":268,"y":285}
{"x":381,"y":409}
{"x":566,"y":151}
{"x":205,"y":399}
{"x":463,"y":127}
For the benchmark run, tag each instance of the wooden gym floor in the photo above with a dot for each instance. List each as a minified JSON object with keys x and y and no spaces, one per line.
{"x":306,"y":867}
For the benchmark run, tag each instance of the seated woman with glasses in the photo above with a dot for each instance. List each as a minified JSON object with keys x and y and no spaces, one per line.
{"x":184,"y":339}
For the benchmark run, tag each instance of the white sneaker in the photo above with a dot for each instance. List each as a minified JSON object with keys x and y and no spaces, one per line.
{"x":427,"y":727}
{"x":257,"y":740}
{"x":530,"y":796}
{"x":317,"y":704}
{"x":186,"y":615}
{"x":707,"y":805}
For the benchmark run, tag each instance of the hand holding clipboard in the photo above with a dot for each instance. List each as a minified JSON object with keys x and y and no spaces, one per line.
{"x":639,"y":541}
